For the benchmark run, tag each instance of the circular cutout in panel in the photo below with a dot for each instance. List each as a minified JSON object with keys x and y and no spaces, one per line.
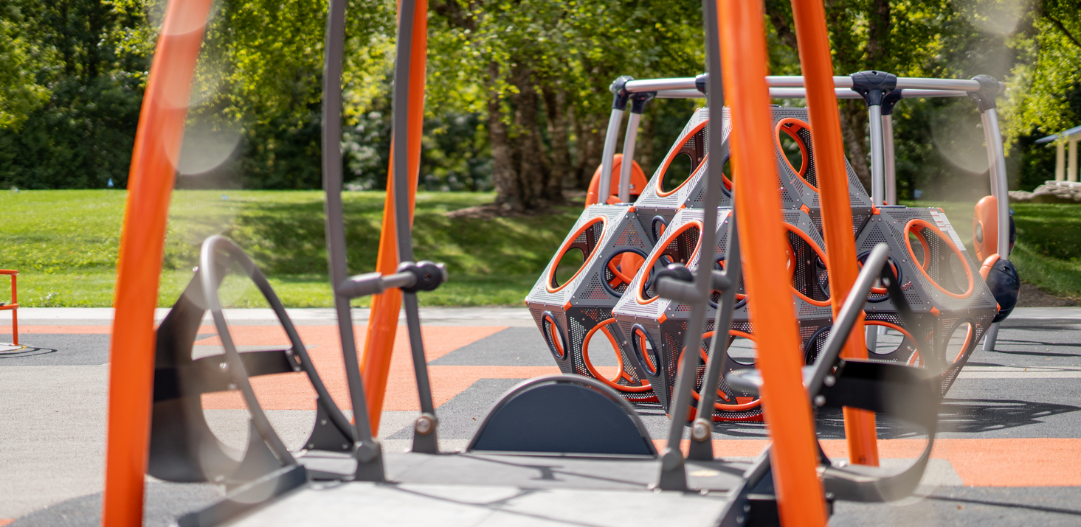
{"x":553,"y":336}
{"x":936,"y":263}
{"x":576,"y":251}
{"x":727,"y":177}
{"x":815,"y":345}
{"x":715,"y":296}
{"x":879,"y":292}
{"x":681,"y":163}
{"x":793,"y":140}
{"x":891,"y":341}
{"x":728,"y":400}
{"x":808,"y":268}
{"x":607,"y":371}
{"x":960,"y":342}
{"x":742,"y":348}
{"x":645,"y":351}
{"x":621,"y":268}
{"x":681,"y":247}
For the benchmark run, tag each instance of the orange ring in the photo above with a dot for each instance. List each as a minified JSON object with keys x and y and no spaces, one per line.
{"x":927,"y":256}
{"x":672,"y":156}
{"x":657,"y":255}
{"x":556,"y":338}
{"x":968,"y":338}
{"x":814,"y":247}
{"x":615,"y":346}
{"x":799,"y":142}
{"x":566,"y":247}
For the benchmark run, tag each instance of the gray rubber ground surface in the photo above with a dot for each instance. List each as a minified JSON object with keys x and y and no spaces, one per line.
{"x":54,"y":398}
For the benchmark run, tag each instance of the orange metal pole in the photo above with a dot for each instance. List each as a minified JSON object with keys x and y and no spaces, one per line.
{"x":785,"y":403}
{"x":150,"y":184}
{"x":817,"y":64}
{"x":383,"y":323}
{"x":15,"y":310}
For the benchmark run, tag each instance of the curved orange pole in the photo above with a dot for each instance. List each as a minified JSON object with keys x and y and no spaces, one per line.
{"x":383,"y":322}
{"x":150,"y":184}
{"x":785,"y":403}
{"x":817,"y":64}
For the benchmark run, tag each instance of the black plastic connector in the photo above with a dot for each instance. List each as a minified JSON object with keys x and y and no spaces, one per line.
{"x":701,"y":82}
{"x":985,"y":96}
{"x":620,"y":93}
{"x":889,"y":100}
{"x":639,"y":100}
{"x":429,"y":275}
{"x":873,"y":85}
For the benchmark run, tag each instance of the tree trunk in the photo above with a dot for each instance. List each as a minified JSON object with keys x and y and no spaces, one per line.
{"x":854,"y":130}
{"x":590,"y":146}
{"x":507,"y":191}
{"x":531,"y":160}
{"x":555,"y":103}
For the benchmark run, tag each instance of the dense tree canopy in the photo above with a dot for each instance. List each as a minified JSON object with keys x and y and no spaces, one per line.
{"x":517,"y":89}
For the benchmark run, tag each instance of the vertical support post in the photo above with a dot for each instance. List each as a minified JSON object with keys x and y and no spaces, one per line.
{"x":888,"y":157}
{"x":425,"y":438}
{"x":628,"y":159}
{"x":638,"y":107}
{"x":1071,"y":165}
{"x":604,"y":188}
{"x":150,"y":183}
{"x":620,"y":96}
{"x":996,"y":155}
{"x":878,"y":167}
{"x":744,"y":58}
{"x":366,"y":451}
{"x":875,"y":86}
{"x":15,"y":310}
{"x":383,"y":322}
{"x":1060,"y":160}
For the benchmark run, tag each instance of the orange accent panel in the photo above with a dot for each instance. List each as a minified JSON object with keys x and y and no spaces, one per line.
{"x":382,"y":328}
{"x":13,"y":306}
{"x":150,"y":184}
{"x":987,"y":217}
{"x":638,"y":182}
{"x":935,"y":311}
{"x":817,"y":65}
{"x":785,"y":402}
{"x":988,"y":264}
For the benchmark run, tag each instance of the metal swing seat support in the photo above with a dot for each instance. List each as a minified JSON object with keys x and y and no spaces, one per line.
{"x":553,"y":450}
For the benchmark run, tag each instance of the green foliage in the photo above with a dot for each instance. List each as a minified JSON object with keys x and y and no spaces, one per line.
{"x":65,"y":243}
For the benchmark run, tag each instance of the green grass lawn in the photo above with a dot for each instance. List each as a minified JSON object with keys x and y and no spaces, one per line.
{"x":1048,"y":248}
{"x":64,"y":245}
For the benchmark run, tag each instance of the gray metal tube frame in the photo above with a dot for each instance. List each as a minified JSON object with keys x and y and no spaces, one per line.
{"x":801,"y":93}
{"x":878,"y":176}
{"x":796,"y":81}
{"x":366,"y":450}
{"x":425,"y":441}
{"x":673,"y":474}
{"x":628,"y":157}
{"x":702,"y":449}
{"x":609,"y":152}
{"x":996,"y":157}
{"x":887,"y":156}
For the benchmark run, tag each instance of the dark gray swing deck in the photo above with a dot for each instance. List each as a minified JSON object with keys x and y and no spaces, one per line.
{"x":554,"y":450}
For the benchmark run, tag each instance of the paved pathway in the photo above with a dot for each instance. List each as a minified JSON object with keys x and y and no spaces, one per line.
{"x":1009,"y":453}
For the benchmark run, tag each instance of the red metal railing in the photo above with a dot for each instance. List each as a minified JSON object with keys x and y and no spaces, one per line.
{"x":13,"y":306}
